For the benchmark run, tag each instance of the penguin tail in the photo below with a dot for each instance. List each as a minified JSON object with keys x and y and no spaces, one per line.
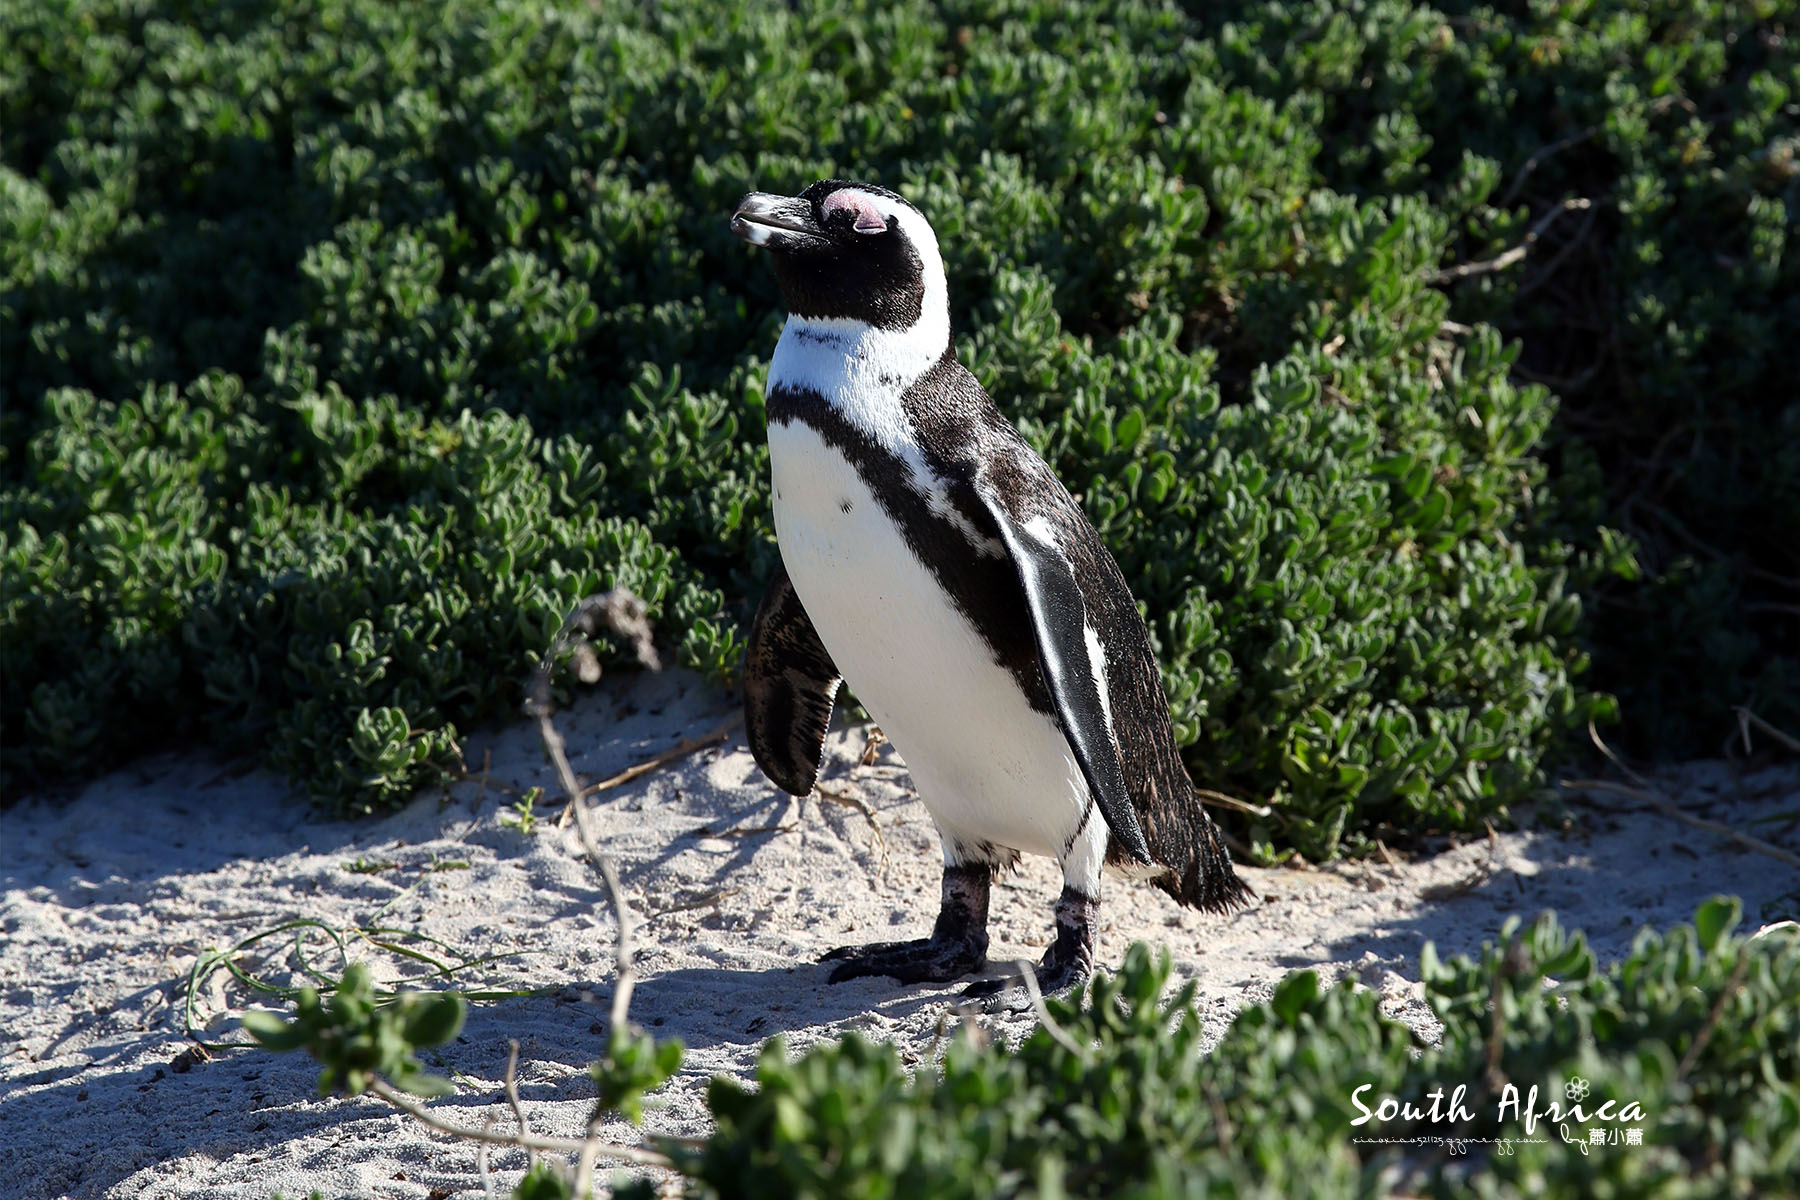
{"x":1209,"y":881}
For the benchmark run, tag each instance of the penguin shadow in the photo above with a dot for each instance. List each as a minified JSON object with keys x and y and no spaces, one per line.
{"x":755,"y":825}
{"x":747,"y":829}
{"x":709,"y":1007}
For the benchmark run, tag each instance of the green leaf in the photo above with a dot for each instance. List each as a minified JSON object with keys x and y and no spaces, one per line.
{"x":435,"y":1020}
{"x":273,"y":1032}
{"x":421,"y":1084}
{"x":1716,"y":918}
{"x":1294,"y":994}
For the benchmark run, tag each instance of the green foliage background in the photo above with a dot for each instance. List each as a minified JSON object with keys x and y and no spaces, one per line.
{"x":347,"y":344}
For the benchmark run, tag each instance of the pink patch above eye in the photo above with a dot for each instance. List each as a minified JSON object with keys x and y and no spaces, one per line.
{"x":869,"y":219}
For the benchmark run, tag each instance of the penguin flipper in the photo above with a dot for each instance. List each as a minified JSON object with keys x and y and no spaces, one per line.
{"x":1067,"y":647}
{"x":790,"y":684}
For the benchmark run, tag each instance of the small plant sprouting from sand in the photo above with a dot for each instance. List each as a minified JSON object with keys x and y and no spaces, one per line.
{"x":304,"y":939}
{"x":520,"y":814}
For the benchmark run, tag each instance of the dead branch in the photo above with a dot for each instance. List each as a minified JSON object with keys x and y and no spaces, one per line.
{"x":742,"y":831}
{"x":1238,"y":847}
{"x":405,"y":1103}
{"x":1712,"y":1018}
{"x":1556,"y":260}
{"x":848,"y":801}
{"x":1668,"y":808}
{"x":1515,"y":255}
{"x":623,"y":612}
{"x":1542,"y":153}
{"x":481,"y":1161}
{"x":1648,"y":794}
{"x":1028,"y":975}
{"x":681,"y":750}
{"x":1539,"y":155}
{"x":1746,"y":719}
{"x":512,"y":1094}
{"x":1483,"y":872}
{"x":710,"y":900}
{"x":1221,"y":800}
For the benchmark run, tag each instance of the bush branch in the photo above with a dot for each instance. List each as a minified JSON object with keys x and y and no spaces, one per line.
{"x":405,"y":1103}
{"x":1028,"y":974}
{"x":1515,"y":255}
{"x":1746,"y":719}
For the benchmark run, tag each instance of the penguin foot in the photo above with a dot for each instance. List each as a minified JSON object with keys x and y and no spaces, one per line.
{"x":1008,"y":995}
{"x":957,"y":945}
{"x":1066,"y":965}
{"x":928,"y":960}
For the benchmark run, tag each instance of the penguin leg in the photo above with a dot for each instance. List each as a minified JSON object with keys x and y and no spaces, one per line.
{"x":1069,"y":962}
{"x":957,"y":945}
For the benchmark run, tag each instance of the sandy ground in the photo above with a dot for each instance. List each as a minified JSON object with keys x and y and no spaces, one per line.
{"x":107,"y":901}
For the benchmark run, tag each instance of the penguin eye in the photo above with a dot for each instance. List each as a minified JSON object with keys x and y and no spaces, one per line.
{"x":867,"y":219}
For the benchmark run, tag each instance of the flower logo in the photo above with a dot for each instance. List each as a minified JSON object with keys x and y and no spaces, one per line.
{"x":1576,"y":1089}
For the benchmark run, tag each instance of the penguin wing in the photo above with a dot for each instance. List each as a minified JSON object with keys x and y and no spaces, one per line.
{"x":1073,"y":662}
{"x":790,"y":683}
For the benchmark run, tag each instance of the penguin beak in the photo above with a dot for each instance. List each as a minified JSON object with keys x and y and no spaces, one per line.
{"x":775,"y":222}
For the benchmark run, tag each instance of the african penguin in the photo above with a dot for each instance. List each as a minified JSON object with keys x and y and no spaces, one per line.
{"x":931,"y":559}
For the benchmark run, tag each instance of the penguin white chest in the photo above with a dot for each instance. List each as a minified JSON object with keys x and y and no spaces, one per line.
{"x":988,"y":766}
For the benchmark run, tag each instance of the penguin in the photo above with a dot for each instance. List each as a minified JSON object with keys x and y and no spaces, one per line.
{"x":934,"y":562}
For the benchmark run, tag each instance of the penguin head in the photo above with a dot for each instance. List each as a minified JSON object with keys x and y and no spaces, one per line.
{"x":850,"y":252}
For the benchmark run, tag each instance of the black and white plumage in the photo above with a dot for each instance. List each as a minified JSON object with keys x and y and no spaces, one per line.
{"x":934,"y":561}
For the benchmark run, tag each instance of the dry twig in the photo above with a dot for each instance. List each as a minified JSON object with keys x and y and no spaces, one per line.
{"x":849,"y":801}
{"x":1483,"y":872}
{"x":1538,"y":156}
{"x":512,"y":1094}
{"x":1712,"y":1018}
{"x":1221,"y":1120}
{"x":1514,"y":255}
{"x":624,"y":612}
{"x":1493,"y":1078}
{"x":407,"y":1105}
{"x":1028,"y":974}
{"x":680,"y":750}
{"x":710,"y":900}
{"x":744,"y":831}
{"x":1221,"y":800}
{"x":1645,"y":792}
{"x":1574,"y":139}
{"x":481,"y":1161}
{"x":1668,"y":808}
{"x":1549,"y":270}
{"x":1746,"y":719}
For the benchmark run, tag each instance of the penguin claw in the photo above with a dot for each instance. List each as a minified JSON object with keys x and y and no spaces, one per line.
{"x":1006,"y":994}
{"x":922,"y":961}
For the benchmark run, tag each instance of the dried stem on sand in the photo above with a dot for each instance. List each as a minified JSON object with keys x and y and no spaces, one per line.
{"x":624,"y":613}
{"x":1642,"y":790}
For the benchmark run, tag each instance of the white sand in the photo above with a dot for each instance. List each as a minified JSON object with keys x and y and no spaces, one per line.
{"x":107,"y":901}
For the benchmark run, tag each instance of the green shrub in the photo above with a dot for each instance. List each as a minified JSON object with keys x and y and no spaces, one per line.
{"x":1663,"y":316}
{"x":348,"y":344}
{"x":1696,"y":1028}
